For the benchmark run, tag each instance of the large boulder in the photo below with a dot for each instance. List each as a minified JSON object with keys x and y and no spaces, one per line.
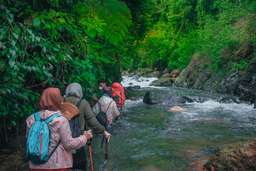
{"x":230,"y":83}
{"x":147,"y":99}
{"x":172,"y":101}
{"x":196,"y":73}
{"x":241,"y":84}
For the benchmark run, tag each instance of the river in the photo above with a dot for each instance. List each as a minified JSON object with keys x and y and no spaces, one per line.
{"x":149,"y":138}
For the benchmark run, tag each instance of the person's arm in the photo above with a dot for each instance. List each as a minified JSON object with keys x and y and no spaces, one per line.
{"x":91,"y":120}
{"x":66,"y":139}
{"x":81,"y":117}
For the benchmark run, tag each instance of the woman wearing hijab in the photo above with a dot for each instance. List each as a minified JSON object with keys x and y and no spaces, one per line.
{"x":61,"y":140}
{"x":86,"y":119}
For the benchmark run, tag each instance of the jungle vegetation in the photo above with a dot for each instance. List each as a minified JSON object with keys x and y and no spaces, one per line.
{"x":55,"y":42}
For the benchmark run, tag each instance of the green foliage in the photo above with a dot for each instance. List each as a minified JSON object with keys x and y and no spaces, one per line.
{"x":109,"y":20}
{"x":239,"y":66}
{"x":175,"y":30}
{"x":55,"y":43}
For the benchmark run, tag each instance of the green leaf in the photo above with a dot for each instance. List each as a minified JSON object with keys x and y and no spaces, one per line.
{"x":36,"y":22}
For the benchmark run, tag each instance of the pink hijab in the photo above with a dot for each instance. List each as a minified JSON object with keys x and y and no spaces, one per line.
{"x":51,"y":99}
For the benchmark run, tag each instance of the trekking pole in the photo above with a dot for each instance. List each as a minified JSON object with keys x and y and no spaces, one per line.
{"x":90,"y":156}
{"x":106,"y":150}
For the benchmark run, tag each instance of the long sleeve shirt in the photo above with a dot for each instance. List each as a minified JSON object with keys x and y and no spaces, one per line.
{"x":107,"y":104}
{"x":87,"y":118}
{"x":60,"y":132}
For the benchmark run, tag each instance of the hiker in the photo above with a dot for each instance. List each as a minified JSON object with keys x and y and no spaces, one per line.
{"x":118,"y":95}
{"x":87,"y":119}
{"x":60,"y":143}
{"x":84,"y":121}
{"x":106,"y":105}
{"x":103,"y":85}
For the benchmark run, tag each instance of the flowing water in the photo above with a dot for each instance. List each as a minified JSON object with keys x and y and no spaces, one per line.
{"x":149,"y":138}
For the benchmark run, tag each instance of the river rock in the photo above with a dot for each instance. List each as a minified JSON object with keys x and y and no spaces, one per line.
{"x":228,"y":99}
{"x":241,"y":84}
{"x":163,"y":81}
{"x":230,"y":83}
{"x":245,"y":50}
{"x":165,"y":71}
{"x":133,"y":93}
{"x":166,"y":75}
{"x":172,"y":101}
{"x":147,"y":99}
{"x":135,"y":87}
{"x":235,"y":157}
{"x":175,"y":73}
{"x":176,"y":109}
{"x":153,"y":74}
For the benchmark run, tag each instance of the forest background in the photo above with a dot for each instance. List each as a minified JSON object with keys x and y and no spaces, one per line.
{"x":55,"y":42}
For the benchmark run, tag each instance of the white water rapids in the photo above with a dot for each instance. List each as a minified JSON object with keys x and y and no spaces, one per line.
{"x":137,"y":81}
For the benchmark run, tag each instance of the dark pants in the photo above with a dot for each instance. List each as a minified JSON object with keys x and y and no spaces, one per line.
{"x":80,"y":159}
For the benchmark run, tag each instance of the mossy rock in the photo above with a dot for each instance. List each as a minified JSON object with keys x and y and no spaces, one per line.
{"x":235,"y":157}
{"x":196,"y":73}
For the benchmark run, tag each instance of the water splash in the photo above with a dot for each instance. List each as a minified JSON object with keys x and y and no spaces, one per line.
{"x":137,"y":81}
{"x":132,"y":103}
{"x":211,"y":105}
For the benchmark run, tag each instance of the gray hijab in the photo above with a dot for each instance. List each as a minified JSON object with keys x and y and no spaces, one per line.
{"x":74,"y":89}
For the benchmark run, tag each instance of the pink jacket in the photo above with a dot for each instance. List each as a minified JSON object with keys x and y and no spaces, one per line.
{"x":60,"y":131}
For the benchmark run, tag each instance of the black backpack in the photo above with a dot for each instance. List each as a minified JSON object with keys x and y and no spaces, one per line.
{"x":102,"y":116}
{"x":74,"y":123}
{"x":79,"y":158}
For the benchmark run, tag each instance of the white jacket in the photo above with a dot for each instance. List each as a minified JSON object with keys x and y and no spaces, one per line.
{"x":108,"y":105}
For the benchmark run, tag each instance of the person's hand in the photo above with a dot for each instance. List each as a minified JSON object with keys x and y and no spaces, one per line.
{"x":88,"y":134}
{"x":107,"y":135}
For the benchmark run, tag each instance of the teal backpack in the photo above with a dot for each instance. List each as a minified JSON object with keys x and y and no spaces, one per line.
{"x":38,"y":139}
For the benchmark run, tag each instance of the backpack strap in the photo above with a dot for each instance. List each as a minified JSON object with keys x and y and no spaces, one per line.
{"x":55,"y":148}
{"x":78,"y":103}
{"x":50,"y":118}
{"x":107,"y":108}
{"x":37,"y":116}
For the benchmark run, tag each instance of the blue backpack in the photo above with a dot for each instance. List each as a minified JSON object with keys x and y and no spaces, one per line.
{"x":38,"y":139}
